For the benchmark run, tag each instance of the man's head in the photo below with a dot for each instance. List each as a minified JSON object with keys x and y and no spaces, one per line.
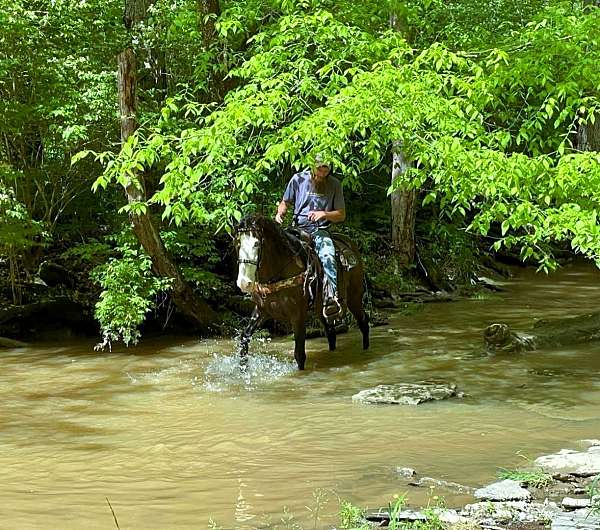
{"x":320,"y":170}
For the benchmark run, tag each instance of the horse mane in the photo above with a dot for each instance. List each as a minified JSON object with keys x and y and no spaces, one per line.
{"x":273,"y":231}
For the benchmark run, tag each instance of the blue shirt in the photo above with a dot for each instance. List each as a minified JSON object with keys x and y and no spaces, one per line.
{"x":301,"y":192}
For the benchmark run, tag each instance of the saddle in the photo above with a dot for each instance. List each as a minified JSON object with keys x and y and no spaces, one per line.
{"x":346,"y":259}
{"x":344,"y":247}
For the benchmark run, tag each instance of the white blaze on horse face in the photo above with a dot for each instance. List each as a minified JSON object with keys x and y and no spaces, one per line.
{"x":249,"y":248}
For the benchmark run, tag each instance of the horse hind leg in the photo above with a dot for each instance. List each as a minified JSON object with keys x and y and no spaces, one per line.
{"x":356,"y":308}
{"x":299,"y":327}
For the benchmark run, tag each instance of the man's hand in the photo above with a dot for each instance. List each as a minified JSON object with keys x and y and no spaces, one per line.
{"x":282,"y":208}
{"x":317,"y":215}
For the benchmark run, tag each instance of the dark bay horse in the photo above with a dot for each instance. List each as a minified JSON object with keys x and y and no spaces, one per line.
{"x":278,"y":269}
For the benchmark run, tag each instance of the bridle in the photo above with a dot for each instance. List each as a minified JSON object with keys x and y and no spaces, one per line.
{"x":260,"y":240}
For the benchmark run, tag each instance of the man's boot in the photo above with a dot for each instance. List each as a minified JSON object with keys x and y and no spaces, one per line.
{"x":332,"y":308}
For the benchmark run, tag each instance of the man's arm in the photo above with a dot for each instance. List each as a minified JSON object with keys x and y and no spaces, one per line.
{"x":282,"y":209}
{"x":334,"y":216}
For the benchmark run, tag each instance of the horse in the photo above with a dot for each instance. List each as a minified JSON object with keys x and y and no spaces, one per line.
{"x":283,"y":274}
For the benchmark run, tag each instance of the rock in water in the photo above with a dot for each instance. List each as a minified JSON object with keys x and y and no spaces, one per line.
{"x":406,"y":393}
{"x":581,"y":464}
{"x":554,"y":332}
{"x":500,"y":338}
{"x":505,"y":490}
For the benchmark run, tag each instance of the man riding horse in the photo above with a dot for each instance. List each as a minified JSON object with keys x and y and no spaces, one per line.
{"x":318,"y":200}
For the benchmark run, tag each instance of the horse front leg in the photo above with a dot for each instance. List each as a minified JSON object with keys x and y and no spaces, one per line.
{"x":255,"y":321}
{"x":329,"y":332}
{"x":299,"y":326}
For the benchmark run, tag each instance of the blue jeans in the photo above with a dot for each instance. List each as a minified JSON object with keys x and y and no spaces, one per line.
{"x":326,"y":252}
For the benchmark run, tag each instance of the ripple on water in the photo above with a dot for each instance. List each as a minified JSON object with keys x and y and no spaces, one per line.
{"x":160,"y":375}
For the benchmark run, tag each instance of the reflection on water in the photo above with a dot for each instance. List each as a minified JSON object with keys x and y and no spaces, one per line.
{"x":173,"y":433}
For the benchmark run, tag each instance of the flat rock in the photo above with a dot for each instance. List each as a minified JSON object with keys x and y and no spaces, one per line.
{"x":571,"y":503}
{"x":505,"y":490}
{"x":578,"y":520}
{"x":581,"y":464}
{"x":406,"y":393}
{"x":493,"y":513}
{"x":447,"y":516}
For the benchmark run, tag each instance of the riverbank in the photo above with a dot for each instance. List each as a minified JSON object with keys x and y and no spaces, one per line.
{"x":555,"y":492}
{"x":65,"y":309}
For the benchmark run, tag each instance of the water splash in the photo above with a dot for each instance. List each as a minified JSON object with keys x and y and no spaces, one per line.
{"x":223,"y":372}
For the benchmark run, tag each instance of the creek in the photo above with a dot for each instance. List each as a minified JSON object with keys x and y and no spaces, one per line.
{"x":174,"y":435}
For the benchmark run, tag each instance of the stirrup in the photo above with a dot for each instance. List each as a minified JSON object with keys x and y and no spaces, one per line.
{"x":331,"y":309}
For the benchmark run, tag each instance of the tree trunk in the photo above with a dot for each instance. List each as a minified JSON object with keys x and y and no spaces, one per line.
{"x":135,"y":11}
{"x":208,"y":10}
{"x":145,"y":230}
{"x":588,"y":136}
{"x":404,"y":210}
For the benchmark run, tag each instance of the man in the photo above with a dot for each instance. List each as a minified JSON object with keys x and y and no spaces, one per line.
{"x":318,"y":201}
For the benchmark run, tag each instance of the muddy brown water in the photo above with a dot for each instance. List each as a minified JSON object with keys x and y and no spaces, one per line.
{"x":174,"y":436}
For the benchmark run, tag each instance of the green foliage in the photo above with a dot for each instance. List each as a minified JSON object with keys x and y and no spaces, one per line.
{"x":18,"y":234}
{"x":487,"y":101}
{"x":128,"y":293}
{"x":351,"y":516}
{"x":191,"y":244}
{"x":17,"y":230}
{"x":527,"y":176}
{"x":463,"y":24}
{"x":91,"y":253}
{"x":449,"y":253}
{"x":215,"y":168}
{"x":536,"y":478}
{"x":394,"y":508}
{"x":384,"y":274}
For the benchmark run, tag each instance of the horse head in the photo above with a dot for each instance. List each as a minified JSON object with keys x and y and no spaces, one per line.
{"x":264,"y":250}
{"x":249,"y":246}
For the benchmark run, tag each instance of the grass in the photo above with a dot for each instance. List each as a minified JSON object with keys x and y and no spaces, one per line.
{"x":352,"y":517}
{"x":536,"y":478}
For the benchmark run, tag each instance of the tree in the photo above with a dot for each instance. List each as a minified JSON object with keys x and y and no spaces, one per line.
{"x":403,"y":201}
{"x":144,"y":227}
